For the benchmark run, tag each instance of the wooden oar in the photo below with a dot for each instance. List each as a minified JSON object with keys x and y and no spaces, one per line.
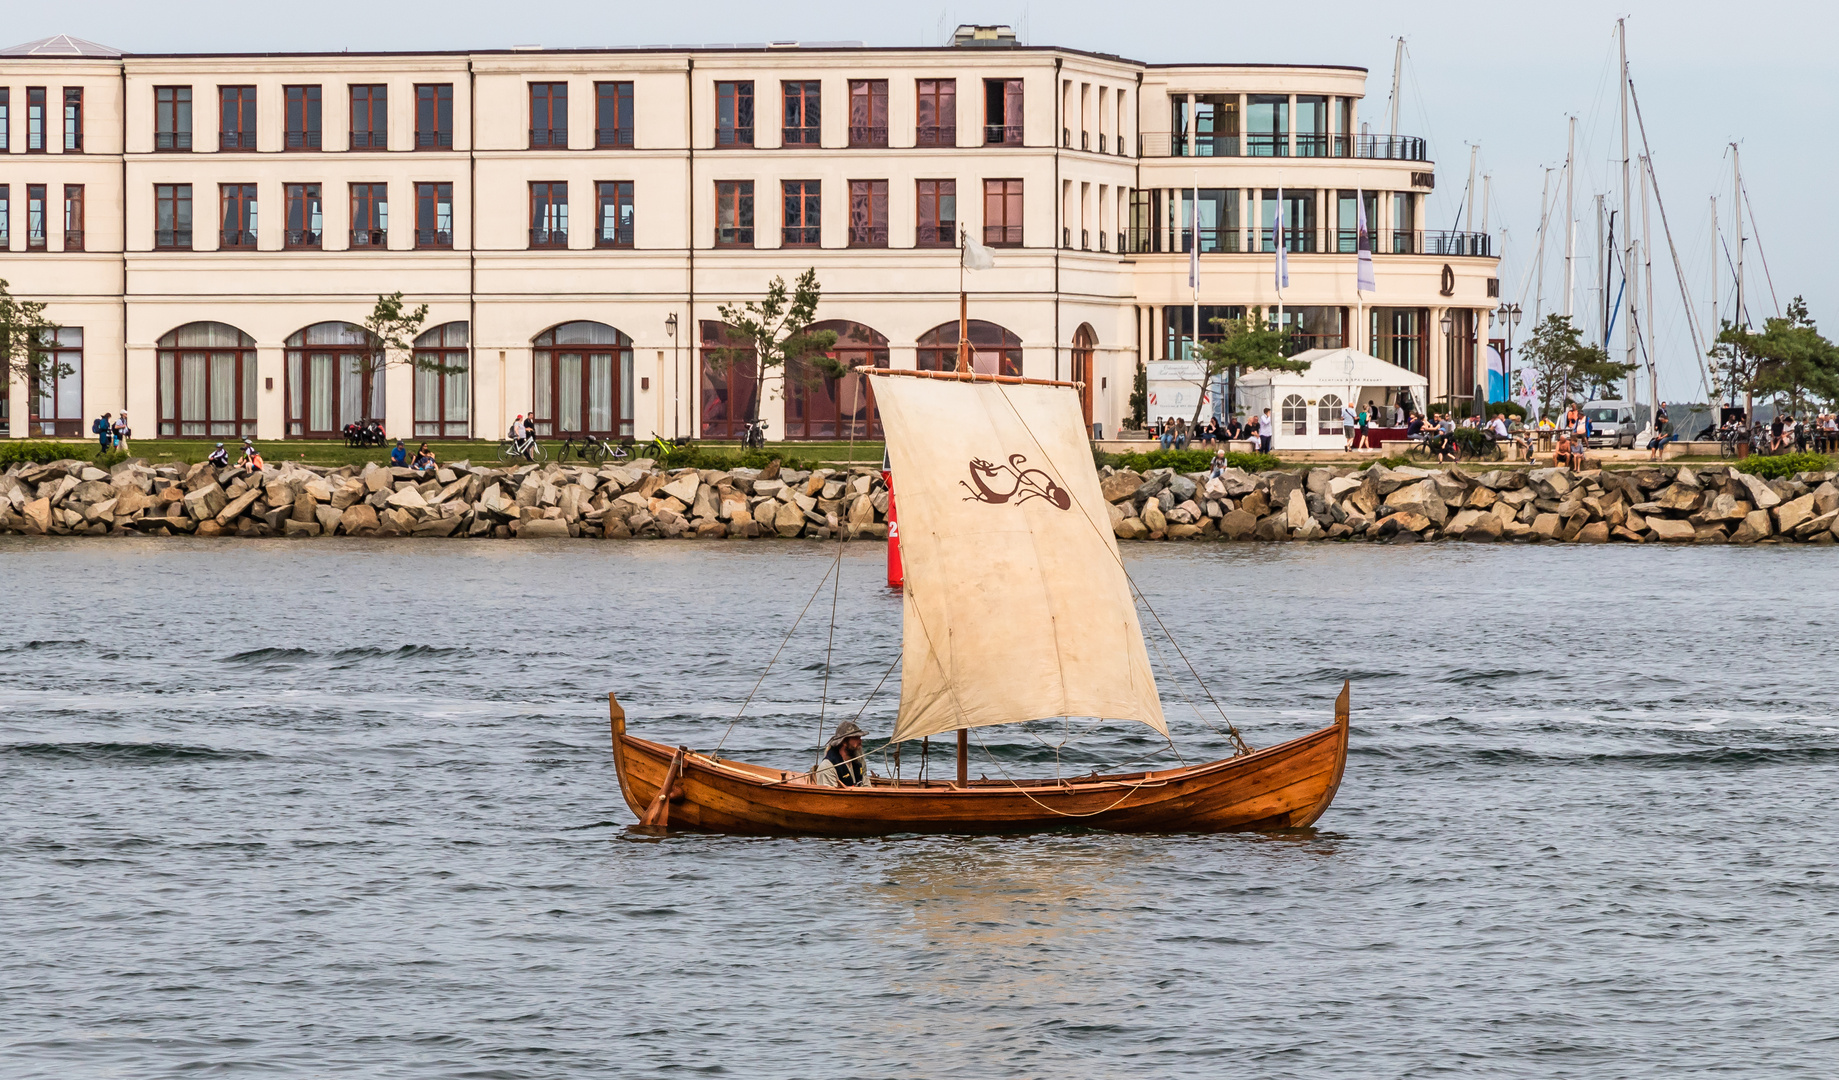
{"x":658,"y":813}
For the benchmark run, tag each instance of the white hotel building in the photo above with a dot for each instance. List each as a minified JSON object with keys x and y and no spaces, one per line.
{"x":210,"y":229}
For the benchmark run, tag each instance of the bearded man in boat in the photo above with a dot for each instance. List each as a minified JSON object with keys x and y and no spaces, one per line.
{"x":842,"y":765}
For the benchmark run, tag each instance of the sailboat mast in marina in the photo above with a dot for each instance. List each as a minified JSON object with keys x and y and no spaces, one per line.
{"x":1016,"y":607}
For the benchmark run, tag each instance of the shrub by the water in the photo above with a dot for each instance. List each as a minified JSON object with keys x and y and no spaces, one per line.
{"x":44,"y":453}
{"x":1184,"y":461}
{"x":1782,"y":466}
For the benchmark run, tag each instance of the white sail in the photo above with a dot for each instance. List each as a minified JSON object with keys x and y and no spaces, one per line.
{"x":1017,"y":607}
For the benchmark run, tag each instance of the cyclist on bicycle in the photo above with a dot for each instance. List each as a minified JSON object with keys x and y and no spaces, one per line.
{"x":522,"y":436}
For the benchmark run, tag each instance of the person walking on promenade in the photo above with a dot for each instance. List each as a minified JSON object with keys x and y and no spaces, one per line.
{"x":1264,"y":432}
{"x":103,"y":431}
{"x":1348,"y":421}
{"x":119,"y":432}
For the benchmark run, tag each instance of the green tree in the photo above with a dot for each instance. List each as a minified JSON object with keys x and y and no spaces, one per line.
{"x":1139,"y":397}
{"x":776,"y":332}
{"x":393,"y":330}
{"x":1246,"y":344}
{"x":1564,"y":368}
{"x":24,"y":331}
{"x":1791,"y":359}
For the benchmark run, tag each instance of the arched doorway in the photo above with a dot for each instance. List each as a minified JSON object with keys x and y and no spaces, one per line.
{"x":443,"y":383}
{"x":730,"y":387}
{"x":994,"y":350}
{"x":819,"y":405}
{"x":582,"y":384}
{"x":206,"y":382}
{"x":1328,"y":415}
{"x":1085,"y":350}
{"x":332,"y":380}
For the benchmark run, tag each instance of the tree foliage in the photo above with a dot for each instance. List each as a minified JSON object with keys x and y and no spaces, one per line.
{"x":1246,"y":344}
{"x":1139,"y":397}
{"x":393,"y":330}
{"x":1566,"y":369}
{"x":776,"y":332}
{"x":24,"y":331}
{"x":1788,"y":359}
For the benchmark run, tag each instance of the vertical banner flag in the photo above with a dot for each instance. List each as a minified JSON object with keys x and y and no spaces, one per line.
{"x":1278,"y":241}
{"x":975,"y":256}
{"x":1363,"y":243}
{"x":1194,"y":244}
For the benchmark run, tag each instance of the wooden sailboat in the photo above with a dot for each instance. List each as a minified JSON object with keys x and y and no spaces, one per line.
{"x":1016,"y":608}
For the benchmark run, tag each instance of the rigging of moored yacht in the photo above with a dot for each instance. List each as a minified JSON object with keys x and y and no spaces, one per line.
{"x":1017,"y":607}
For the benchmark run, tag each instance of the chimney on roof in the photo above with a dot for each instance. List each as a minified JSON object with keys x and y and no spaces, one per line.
{"x":970,"y":36}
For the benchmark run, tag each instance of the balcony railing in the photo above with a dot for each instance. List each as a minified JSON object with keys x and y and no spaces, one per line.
{"x":548,"y":137}
{"x":613,"y":138}
{"x":548,"y":238}
{"x":370,"y":140}
{"x":1231,"y":241}
{"x":942,"y":235}
{"x":433,"y":238}
{"x":434,"y":140}
{"x":798,"y":236}
{"x":734,"y":236}
{"x":1002,"y":134}
{"x":935,"y":135}
{"x":1456,"y":243}
{"x":73,"y":239}
{"x":236,"y":140}
{"x":1085,"y":240}
{"x":172,"y":239}
{"x":1085,"y":140}
{"x":620,"y":237}
{"x":871,"y":236}
{"x":370,"y":238}
{"x":243,"y":239}
{"x":799,"y":136}
{"x":1066,"y":237}
{"x":1277,"y":144}
{"x":1002,"y":235}
{"x":172,"y":140}
{"x":868,"y":136}
{"x":302,"y":140}
{"x":1101,"y":142}
{"x":734,"y":136}
{"x":302,"y":238}
{"x":1101,"y":241}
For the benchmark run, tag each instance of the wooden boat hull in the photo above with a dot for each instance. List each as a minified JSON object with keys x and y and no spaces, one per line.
{"x":1286,"y":786}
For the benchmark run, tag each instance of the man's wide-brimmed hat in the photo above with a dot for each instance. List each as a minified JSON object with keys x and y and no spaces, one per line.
{"x":844,"y":731}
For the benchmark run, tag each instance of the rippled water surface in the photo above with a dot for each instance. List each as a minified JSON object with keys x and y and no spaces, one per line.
{"x":317,"y":809}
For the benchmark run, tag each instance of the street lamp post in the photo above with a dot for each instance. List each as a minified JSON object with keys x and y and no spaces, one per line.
{"x":676,"y":404}
{"x":1510,"y":315}
{"x":1449,"y":363}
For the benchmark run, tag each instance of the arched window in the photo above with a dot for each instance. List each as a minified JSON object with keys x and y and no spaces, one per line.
{"x":1295,"y":418}
{"x":994,"y":350}
{"x":57,"y":406}
{"x":583,"y":383}
{"x":443,"y":383}
{"x":819,"y":405}
{"x":730,"y":387}
{"x":207,"y":382}
{"x":1328,"y":414}
{"x":1085,"y":350}
{"x":334,"y":378}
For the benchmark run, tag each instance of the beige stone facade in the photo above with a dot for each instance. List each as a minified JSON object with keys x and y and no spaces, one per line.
{"x":1099,"y":148}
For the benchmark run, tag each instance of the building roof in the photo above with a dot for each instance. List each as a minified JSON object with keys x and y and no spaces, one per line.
{"x":1336,"y":367}
{"x":62,"y":45}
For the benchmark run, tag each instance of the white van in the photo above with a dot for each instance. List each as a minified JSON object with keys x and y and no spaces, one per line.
{"x":1615,"y":424}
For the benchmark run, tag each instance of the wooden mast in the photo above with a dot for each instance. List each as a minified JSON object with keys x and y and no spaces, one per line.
{"x":964,"y":365}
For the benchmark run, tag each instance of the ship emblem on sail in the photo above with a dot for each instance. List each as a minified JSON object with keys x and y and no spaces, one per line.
{"x":1024,"y":482}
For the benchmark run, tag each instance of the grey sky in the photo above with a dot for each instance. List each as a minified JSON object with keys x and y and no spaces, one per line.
{"x":1502,"y":76}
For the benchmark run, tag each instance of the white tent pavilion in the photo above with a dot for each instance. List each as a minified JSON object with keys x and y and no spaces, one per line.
{"x":1306,"y":405}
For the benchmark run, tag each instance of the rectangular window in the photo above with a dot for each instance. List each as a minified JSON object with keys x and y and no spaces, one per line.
{"x":172,"y":216}
{"x":549,"y":214}
{"x":1311,"y":125}
{"x":73,"y":119}
{"x":1213,"y":121}
{"x":613,"y":213}
{"x":35,"y":119}
{"x":238,"y":203}
{"x":1347,"y":221}
{"x":1002,"y":112}
{"x":734,"y":213}
{"x":36,"y":225}
{"x":1404,"y":223}
{"x":370,"y":216}
{"x":1299,"y":220}
{"x":6,"y":119}
{"x":937,"y":121}
{"x":613,"y":115}
{"x":938,"y":214}
{"x":1002,"y":213}
{"x":868,"y":213}
{"x":172,"y":118}
{"x":549,"y":115}
{"x":370,"y":117}
{"x":305,"y":216}
{"x":1401,"y":336}
{"x":803,"y":207}
{"x":236,"y":117}
{"x":433,"y":215}
{"x":434,"y":116}
{"x":1218,"y":225}
{"x":1268,"y":123}
{"x":803,"y":114}
{"x":6,"y":216}
{"x":303,"y":119}
{"x":73,"y":217}
{"x":734,"y":114}
{"x":868,"y":112}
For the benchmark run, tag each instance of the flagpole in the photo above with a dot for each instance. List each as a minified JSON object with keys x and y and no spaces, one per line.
{"x":1194,"y":262}
{"x":964,"y":308}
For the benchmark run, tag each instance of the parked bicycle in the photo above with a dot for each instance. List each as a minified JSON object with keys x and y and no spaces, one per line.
{"x":754,"y":438}
{"x":512,"y":450}
{"x":594,"y":448}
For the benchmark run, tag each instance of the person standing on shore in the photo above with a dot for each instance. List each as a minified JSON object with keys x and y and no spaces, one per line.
{"x":103,"y":431}
{"x":1348,"y":421}
{"x":1264,"y":432}
{"x":119,"y":432}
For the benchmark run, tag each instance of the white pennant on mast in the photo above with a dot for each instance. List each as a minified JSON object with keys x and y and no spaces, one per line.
{"x":1363,"y":244}
{"x":1278,"y":241}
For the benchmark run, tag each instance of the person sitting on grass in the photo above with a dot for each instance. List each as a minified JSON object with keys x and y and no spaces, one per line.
{"x":219,"y":458}
{"x":399,"y":457}
{"x":1561,"y":452}
{"x":251,"y":459}
{"x":424,"y":458}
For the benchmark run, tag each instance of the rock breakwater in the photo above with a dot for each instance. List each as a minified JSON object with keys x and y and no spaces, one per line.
{"x":1708,"y":504}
